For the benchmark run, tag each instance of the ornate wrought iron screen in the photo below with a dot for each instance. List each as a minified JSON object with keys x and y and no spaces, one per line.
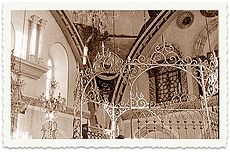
{"x":175,"y":114}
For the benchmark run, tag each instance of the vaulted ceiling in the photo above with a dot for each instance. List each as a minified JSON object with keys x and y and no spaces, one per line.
{"x":125,"y":32}
{"x":120,"y":30}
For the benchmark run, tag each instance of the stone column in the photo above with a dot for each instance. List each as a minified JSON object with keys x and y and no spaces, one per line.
{"x":33,"y":37}
{"x":41,"y":27}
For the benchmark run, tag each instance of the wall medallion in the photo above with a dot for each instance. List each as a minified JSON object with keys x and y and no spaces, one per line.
{"x":185,"y":20}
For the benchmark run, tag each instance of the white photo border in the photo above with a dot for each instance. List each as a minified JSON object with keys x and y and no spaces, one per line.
{"x":127,"y":143}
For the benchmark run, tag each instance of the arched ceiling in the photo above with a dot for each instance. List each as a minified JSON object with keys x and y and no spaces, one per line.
{"x":121,"y":28}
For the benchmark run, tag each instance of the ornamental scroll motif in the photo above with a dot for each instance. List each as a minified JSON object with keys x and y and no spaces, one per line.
{"x":107,"y":62}
{"x":164,"y":55}
{"x":182,"y":106}
{"x":211,"y":74}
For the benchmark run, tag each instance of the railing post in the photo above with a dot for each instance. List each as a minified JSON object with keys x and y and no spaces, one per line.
{"x":113,"y":124}
{"x":81,"y":101}
{"x":205,"y":99}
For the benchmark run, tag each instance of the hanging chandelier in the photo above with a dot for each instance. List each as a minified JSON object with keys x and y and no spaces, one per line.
{"x":52,"y":105}
{"x":17,"y":99}
{"x":94,"y":18}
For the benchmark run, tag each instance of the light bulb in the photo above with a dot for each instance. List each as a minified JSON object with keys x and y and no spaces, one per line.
{"x":85,"y":52}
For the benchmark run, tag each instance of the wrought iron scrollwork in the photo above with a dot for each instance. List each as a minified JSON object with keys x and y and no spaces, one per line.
{"x":178,"y":113}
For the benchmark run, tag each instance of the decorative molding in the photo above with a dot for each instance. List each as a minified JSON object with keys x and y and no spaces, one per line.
{"x":33,"y":20}
{"x":29,"y":69}
{"x":185,"y":20}
{"x":150,"y":32}
{"x":42,"y":23}
{"x":72,"y":35}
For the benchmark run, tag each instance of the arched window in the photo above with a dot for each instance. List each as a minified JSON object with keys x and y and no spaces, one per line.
{"x":60,"y":68}
{"x":49,"y":76}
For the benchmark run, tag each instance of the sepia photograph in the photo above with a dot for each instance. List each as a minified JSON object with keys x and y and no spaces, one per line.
{"x":133,"y":74}
{"x":114,"y":74}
